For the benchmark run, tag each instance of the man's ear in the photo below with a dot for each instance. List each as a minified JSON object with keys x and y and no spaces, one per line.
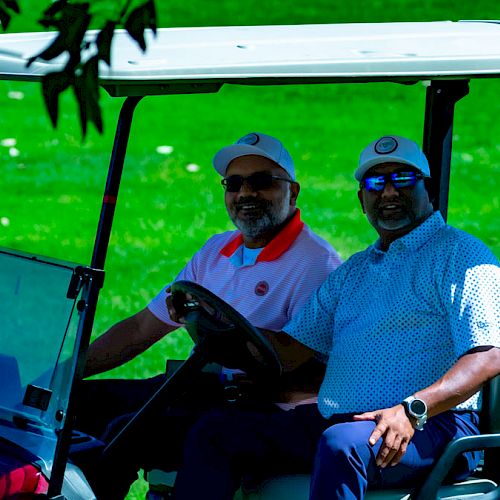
{"x":294,"y":193}
{"x":360,"y":198}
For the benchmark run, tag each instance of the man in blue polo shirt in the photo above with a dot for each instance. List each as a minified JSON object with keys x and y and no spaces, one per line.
{"x":411,"y":328}
{"x":266,"y":270}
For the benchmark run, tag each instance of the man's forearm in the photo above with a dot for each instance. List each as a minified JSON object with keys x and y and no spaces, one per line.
{"x":292,"y":353}
{"x":109,"y":351}
{"x":464,"y":379}
{"x":460,"y":382}
{"x":124,"y":341}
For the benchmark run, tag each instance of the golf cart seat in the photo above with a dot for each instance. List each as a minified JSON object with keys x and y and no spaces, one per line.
{"x":483,"y":484}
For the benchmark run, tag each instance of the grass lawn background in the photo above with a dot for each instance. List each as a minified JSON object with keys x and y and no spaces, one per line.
{"x":52,"y":181}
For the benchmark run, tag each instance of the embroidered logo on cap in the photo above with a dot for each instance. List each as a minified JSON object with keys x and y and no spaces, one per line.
{"x":250,"y":139}
{"x":386,"y":145}
{"x":261,"y":288}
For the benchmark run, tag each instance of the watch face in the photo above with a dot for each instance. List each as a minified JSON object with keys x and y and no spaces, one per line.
{"x":417,"y":407}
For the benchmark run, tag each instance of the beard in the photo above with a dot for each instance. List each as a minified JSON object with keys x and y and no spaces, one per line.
{"x":395,"y":224}
{"x":264,"y":218}
{"x":401,"y":217}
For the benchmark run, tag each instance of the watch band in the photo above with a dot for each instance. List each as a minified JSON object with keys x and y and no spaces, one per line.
{"x":416,"y":411}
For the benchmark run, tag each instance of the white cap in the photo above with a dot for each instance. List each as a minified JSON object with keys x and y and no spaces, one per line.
{"x":392,"y":149}
{"x":258,"y":144}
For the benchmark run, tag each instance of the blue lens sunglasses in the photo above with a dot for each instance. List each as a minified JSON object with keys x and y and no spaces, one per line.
{"x":399,"y":180}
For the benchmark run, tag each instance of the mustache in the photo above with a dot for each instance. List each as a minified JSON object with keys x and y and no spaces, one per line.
{"x":254,"y":201}
{"x":401,"y":203}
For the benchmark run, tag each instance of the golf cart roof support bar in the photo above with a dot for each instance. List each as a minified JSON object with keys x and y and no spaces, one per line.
{"x":441,"y":97}
{"x":113,"y":182}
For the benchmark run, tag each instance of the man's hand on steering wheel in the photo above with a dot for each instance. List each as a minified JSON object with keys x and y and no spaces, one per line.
{"x":228,"y":338}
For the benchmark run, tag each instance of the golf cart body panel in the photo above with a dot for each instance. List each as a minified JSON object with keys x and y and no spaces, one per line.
{"x":446,"y":55}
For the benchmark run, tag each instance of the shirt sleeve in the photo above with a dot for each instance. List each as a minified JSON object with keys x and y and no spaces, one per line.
{"x":314,"y":324}
{"x":472,"y":288}
{"x":310,"y":279}
{"x":158,"y":304}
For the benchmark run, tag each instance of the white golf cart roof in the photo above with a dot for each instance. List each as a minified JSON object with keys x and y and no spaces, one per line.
{"x":192,"y":60}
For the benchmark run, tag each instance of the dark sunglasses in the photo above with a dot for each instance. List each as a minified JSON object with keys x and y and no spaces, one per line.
{"x":399,"y":180}
{"x":256,"y":182}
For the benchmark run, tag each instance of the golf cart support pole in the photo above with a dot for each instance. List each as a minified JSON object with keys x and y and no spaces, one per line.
{"x":113,"y":182}
{"x":91,"y":279}
{"x":440,"y":103}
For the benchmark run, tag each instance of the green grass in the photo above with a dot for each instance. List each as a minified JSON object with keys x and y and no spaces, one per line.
{"x":50,"y":194}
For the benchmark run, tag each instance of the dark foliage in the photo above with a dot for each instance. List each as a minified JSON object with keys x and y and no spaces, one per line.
{"x":6,"y":9}
{"x":71,"y":20}
{"x":140,"y":18}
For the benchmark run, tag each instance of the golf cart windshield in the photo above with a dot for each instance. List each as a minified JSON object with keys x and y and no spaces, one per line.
{"x":38,"y":330}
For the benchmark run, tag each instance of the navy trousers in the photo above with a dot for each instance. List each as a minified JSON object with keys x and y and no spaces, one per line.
{"x":156,"y":441}
{"x":228,"y":447}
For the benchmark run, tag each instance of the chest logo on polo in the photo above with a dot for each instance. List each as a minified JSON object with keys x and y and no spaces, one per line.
{"x":261,"y":288}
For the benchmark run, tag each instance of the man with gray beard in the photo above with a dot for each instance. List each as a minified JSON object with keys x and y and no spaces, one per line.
{"x":266,"y":270}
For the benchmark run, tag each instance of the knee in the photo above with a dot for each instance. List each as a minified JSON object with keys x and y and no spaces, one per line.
{"x":346,"y":439}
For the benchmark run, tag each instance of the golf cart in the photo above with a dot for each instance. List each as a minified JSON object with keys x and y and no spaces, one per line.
{"x":36,"y":439}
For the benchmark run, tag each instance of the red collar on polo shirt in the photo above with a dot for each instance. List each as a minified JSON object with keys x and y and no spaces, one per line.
{"x":276,"y":247}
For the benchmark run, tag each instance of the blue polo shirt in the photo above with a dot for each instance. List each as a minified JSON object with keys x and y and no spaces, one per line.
{"x":394,"y":322}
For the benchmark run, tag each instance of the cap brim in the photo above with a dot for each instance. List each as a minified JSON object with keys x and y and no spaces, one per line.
{"x":362,"y":169}
{"x":226,"y":155}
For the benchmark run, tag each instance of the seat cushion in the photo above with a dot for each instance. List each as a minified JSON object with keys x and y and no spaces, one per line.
{"x":296,"y":487}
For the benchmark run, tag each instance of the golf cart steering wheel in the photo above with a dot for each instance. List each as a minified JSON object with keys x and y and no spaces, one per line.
{"x":223,"y":333}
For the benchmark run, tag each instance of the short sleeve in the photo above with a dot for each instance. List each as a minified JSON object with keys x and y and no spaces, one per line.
{"x":314,"y":324}
{"x":311,"y":278}
{"x":158,"y":305}
{"x":472,"y":282}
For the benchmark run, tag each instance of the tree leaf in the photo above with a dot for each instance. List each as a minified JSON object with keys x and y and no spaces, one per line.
{"x":52,"y":85}
{"x":103,"y":42}
{"x":90,"y":76}
{"x":50,"y":14}
{"x":4,"y":18}
{"x":139,"y":19}
{"x":12,"y":5}
{"x":152,"y":16}
{"x":75,"y":21}
{"x":80,"y":98}
{"x":55,"y":8}
{"x":72,"y":22}
{"x":56,"y":48}
{"x":86,"y":90}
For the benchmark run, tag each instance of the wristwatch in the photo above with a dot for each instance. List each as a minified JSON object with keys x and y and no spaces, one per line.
{"x":416,"y":411}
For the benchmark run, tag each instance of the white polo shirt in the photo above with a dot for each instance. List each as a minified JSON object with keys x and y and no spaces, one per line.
{"x":392,"y":323}
{"x":271,"y":290}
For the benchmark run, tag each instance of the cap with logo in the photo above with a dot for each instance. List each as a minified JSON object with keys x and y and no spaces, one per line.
{"x":258,"y":144}
{"x":392,"y":149}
